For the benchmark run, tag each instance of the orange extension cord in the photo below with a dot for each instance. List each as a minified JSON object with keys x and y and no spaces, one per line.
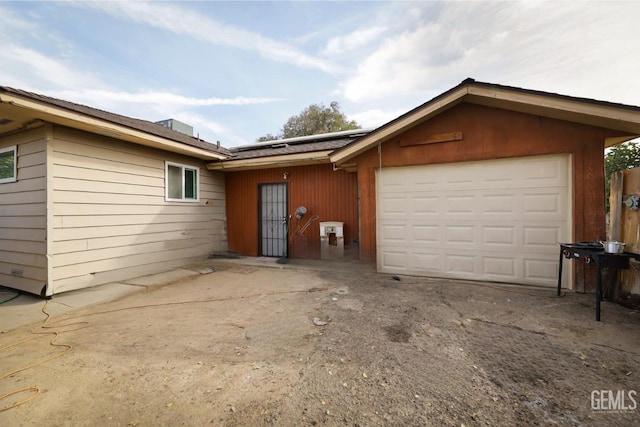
{"x":80,"y":325}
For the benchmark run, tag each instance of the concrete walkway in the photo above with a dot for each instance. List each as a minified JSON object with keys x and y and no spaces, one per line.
{"x":26,"y":309}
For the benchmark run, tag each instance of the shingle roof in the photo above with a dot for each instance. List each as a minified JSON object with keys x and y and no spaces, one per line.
{"x":130,"y":122}
{"x":306,"y":144}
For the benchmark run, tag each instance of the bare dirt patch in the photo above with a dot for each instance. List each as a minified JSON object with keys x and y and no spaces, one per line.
{"x":240,"y":347}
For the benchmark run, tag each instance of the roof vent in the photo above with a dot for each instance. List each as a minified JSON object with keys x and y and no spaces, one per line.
{"x":176,"y":125}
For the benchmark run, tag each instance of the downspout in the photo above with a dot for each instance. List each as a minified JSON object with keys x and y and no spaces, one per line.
{"x":48,"y":289}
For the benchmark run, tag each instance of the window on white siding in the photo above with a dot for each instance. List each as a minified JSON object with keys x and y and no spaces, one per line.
{"x":8,"y":169}
{"x":181,"y":182}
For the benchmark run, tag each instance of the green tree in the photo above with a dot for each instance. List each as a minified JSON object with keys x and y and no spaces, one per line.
{"x":267,"y":137}
{"x":313,"y":120}
{"x":623,"y":156}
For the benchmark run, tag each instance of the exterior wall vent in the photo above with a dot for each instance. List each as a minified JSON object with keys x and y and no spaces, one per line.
{"x":176,"y":125}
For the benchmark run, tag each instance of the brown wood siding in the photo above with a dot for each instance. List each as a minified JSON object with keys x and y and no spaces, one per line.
{"x":490,"y":133}
{"x":332,"y":195}
{"x":23,"y":215}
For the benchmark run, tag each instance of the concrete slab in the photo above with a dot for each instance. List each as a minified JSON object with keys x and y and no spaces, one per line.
{"x":26,"y":309}
{"x":164,"y":277}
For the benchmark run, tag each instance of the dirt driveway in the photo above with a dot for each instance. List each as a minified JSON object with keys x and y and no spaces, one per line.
{"x":248,"y":345}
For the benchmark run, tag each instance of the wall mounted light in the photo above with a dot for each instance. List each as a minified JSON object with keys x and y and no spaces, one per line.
{"x":285,"y":176}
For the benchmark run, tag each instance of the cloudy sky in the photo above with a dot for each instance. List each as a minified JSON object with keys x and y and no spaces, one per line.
{"x":238,"y":70}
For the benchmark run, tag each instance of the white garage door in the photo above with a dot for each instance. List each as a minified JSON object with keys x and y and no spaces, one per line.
{"x":495,"y":220}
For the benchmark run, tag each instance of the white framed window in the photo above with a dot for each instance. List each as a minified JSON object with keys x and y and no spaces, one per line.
{"x":8,"y":164}
{"x":182,"y":182}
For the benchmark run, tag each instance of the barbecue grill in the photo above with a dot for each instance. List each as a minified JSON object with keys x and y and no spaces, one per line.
{"x":593,"y":253}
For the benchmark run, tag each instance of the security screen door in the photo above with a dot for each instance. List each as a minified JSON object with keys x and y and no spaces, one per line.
{"x":273,"y":219}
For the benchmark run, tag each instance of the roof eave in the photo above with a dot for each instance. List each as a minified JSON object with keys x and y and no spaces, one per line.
{"x":615,"y":117}
{"x":79,"y":121}
{"x":285,"y":160}
{"x":398,"y":125}
{"x":351,"y":133}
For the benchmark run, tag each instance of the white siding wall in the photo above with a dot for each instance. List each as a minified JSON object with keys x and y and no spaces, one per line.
{"x":110,"y":219}
{"x":23,"y":247}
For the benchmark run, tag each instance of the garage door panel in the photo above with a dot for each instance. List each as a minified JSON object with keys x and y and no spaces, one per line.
{"x":496,"y":268}
{"x":541,"y":173}
{"x":395,"y":260}
{"x":402,"y":262}
{"x":545,"y":172}
{"x":499,"y":235}
{"x":471,"y":267}
{"x":394,"y":233}
{"x":545,"y":237}
{"x":530,"y":204}
{"x":496,"y":220}
{"x":486,"y":236}
{"x":460,"y":204}
{"x":427,"y":262}
{"x":501,"y":269}
{"x":425,"y":234}
{"x":499,"y":204}
{"x":544,"y":270}
{"x":463,"y":265}
{"x":424,"y":206}
{"x":460,"y":234}
{"x":396,"y":205}
{"x":543,"y":203}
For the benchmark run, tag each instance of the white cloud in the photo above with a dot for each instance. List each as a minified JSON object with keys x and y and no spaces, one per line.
{"x":395,"y":69}
{"x":179,"y":20}
{"x":28,"y":67}
{"x":563,"y":47}
{"x":349,"y":42}
{"x":155,"y":106}
{"x":160,"y":98}
{"x":207,"y":129}
{"x":405,"y":53}
{"x":25,"y":65}
{"x":10,"y":22}
{"x":375,"y":117}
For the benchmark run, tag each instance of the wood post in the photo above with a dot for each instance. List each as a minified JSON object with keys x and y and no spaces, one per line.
{"x":612,"y":283}
{"x":615,"y":206}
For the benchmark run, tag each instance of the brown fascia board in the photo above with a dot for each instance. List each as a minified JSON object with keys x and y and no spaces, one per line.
{"x":115,"y":125}
{"x":268,"y":162}
{"x":608,"y":115}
